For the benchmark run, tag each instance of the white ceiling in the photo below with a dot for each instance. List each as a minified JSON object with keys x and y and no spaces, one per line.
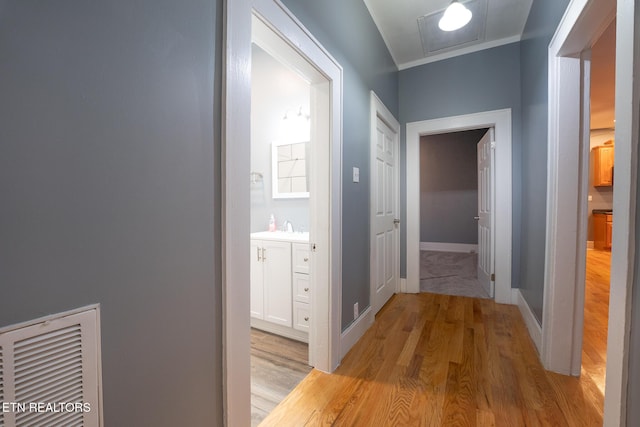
{"x":503,"y":23}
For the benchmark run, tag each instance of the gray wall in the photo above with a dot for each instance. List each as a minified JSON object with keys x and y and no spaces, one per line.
{"x":109,"y":154}
{"x":347,"y":31}
{"x":541,"y":25}
{"x":275,"y":90}
{"x":449,"y":187}
{"x":481,"y":81}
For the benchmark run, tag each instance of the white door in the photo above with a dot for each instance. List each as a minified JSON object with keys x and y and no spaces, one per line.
{"x":485,"y":209}
{"x":384,"y":215}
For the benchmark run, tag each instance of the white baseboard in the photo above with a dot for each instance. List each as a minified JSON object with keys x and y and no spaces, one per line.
{"x":403,"y":285}
{"x":534,"y":328}
{"x":448,"y":247}
{"x":284,"y":331}
{"x":590,"y":244}
{"x":355,"y":331}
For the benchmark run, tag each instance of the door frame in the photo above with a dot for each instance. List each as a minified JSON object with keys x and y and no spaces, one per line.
{"x":563,"y":314}
{"x":326,"y":181}
{"x":500,"y":120}
{"x":379,"y":110}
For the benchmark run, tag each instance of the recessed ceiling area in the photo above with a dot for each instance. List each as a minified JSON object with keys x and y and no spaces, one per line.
{"x":410,"y":28}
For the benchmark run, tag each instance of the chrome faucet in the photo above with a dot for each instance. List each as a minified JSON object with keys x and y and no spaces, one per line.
{"x":287,"y":226}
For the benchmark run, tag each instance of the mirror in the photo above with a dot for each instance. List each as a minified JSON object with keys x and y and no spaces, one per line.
{"x":289,"y":170}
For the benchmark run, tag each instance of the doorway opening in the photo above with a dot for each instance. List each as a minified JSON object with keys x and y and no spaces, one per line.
{"x":280,"y":217}
{"x":599,"y":207}
{"x":568,"y":154}
{"x":316,"y":258}
{"x":500,"y":121}
{"x":456,"y":206}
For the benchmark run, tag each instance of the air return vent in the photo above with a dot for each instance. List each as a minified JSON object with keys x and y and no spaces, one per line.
{"x":49,"y":372}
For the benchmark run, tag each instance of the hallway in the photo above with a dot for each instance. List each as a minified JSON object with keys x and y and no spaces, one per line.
{"x":596,"y":318}
{"x":441,"y":360}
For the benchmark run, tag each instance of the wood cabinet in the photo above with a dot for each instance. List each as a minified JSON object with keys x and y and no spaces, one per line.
{"x":602,"y":226}
{"x":603,"y":165}
{"x":280,"y":287}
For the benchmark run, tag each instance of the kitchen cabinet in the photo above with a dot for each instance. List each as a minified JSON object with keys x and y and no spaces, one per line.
{"x":280,"y":284}
{"x":603,"y":165}
{"x":602,"y":226}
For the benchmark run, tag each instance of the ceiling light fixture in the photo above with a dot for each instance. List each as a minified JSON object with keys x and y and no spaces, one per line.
{"x":455,"y":17}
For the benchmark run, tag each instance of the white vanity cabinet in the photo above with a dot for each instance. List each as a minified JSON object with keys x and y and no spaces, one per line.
{"x":271,"y":281}
{"x":280,"y":285}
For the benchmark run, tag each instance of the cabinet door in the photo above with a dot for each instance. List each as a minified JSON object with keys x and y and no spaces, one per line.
{"x":608,"y":232}
{"x":603,"y":166}
{"x":301,"y":258}
{"x":257,"y":283}
{"x":277,"y":282}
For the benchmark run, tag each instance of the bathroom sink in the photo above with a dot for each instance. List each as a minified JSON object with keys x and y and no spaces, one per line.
{"x":284,"y":236}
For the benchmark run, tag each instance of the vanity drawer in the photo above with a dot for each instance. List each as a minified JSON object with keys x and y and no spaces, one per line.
{"x":301,"y":258}
{"x":301,"y":316}
{"x":301,"y":287}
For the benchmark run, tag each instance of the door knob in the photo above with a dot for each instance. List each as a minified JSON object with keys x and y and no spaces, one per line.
{"x":477,"y":218}
{"x":396,"y":221}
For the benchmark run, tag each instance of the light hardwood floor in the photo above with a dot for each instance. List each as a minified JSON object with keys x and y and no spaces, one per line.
{"x":438,"y":360}
{"x":278,"y":364}
{"x":596,"y":316}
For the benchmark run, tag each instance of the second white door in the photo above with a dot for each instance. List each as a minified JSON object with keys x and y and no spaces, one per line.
{"x":485,"y":212}
{"x":384,"y":215}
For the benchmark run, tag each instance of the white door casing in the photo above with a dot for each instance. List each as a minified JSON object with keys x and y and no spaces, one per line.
{"x":326,"y":194}
{"x":384,"y":205}
{"x":485,"y":149}
{"x":500,"y":120}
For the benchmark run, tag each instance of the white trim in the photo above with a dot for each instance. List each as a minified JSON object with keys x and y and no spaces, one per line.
{"x":377,"y":109}
{"x":403,"y":285}
{"x":457,"y":52}
{"x":501,"y":121}
{"x":355,"y":331}
{"x":590,"y":244}
{"x":448,"y":247}
{"x":326,"y":233}
{"x":623,"y":254}
{"x":534,"y":328}
{"x":582,"y":23}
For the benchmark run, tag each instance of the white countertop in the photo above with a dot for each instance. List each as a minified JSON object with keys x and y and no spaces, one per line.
{"x":283,"y":236}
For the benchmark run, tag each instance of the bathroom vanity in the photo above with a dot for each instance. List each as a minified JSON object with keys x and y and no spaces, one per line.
{"x":280,"y":285}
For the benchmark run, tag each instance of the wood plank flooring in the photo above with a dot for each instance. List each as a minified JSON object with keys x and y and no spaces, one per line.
{"x":596,"y":317}
{"x":438,"y":360}
{"x":278,"y":364}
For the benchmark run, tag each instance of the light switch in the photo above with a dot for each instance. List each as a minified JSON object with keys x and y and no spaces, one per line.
{"x":356,"y":174}
{"x":590,"y":198}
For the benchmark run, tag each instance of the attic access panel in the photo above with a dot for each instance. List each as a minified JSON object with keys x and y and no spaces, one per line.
{"x":435,"y":41}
